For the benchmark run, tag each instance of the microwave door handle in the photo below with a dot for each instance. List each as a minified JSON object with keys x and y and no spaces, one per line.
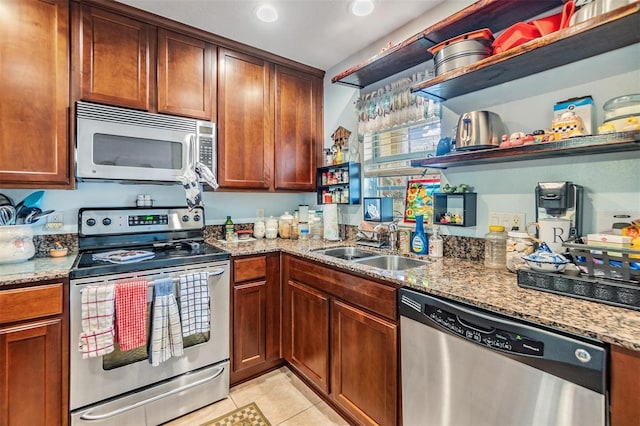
{"x":193,"y":149}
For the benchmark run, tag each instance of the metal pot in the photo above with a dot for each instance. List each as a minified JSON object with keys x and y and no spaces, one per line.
{"x":595,"y":8}
{"x":478,"y":130}
{"x":461,"y":54}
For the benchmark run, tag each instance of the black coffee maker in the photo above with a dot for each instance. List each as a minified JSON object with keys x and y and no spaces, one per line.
{"x":560,"y":200}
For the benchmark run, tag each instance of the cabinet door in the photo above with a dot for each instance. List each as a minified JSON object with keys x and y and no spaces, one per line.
{"x":298,"y":128}
{"x":245,"y":126}
{"x":115,"y":59}
{"x":306,"y":337}
{"x":34,"y":94}
{"x":31,"y":371}
{"x":625,"y":387}
{"x":364,"y":359}
{"x":249,"y":324}
{"x":185,"y":76}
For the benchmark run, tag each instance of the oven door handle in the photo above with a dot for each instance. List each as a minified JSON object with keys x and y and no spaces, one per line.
{"x":218,"y":271}
{"x":90,"y":417}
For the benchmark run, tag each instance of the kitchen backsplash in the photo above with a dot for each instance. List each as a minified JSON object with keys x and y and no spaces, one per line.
{"x":469,"y":248}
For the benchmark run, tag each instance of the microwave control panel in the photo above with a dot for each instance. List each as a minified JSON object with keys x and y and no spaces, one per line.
{"x":207,"y":144}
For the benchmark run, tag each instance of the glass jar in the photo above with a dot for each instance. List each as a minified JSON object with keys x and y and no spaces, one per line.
{"x":259,"y":229}
{"x":284,"y":225}
{"x":518,"y":244}
{"x":495,"y":248}
{"x":271,"y":229}
{"x":316,"y":227}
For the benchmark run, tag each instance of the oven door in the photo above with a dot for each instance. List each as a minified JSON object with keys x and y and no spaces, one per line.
{"x":95,"y":379}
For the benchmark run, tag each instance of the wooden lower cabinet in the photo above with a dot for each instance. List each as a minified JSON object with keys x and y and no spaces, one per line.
{"x":364,"y":373}
{"x":340,"y":333}
{"x":256,"y":301}
{"x":33,"y":356}
{"x":625,"y":387}
{"x":306,"y":341}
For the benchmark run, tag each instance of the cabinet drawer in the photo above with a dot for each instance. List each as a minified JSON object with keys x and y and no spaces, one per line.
{"x":376,"y":297}
{"x":250,"y":268}
{"x":28,"y":303}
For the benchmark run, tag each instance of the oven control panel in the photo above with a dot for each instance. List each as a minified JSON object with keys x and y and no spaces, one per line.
{"x":98,"y":221}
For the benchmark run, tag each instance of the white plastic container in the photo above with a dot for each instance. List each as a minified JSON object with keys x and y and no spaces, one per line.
{"x":16,"y":243}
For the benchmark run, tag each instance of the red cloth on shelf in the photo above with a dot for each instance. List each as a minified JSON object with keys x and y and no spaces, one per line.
{"x":131,"y":313}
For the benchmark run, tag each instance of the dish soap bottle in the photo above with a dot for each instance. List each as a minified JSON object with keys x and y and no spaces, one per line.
{"x":228,"y":229}
{"x":436,"y":243}
{"x":419,"y":242}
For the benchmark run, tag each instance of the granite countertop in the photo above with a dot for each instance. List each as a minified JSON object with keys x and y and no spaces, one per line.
{"x":456,"y":279}
{"x":37,"y":269}
{"x":471,"y":282}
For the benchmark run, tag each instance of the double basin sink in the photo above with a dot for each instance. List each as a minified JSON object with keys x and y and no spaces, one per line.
{"x":387,"y":262}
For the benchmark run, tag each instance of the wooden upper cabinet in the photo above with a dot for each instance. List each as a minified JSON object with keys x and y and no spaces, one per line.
{"x":186,"y":80}
{"x":245,"y":127}
{"x":298,"y":128}
{"x":34,"y":94}
{"x":116,"y":58}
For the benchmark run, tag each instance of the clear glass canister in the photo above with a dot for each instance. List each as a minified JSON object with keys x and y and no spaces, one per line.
{"x":271,"y":230}
{"x":518,"y":244}
{"x":284,"y":225}
{"x":495,"y":248}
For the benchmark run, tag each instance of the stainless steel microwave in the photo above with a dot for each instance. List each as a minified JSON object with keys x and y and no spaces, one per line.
{"x":122,"y":144}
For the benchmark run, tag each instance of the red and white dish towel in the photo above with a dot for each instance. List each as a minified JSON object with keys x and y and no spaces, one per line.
{"x":131,"y":313}
{"x":97,"y":336}
{"x":194,"y":303}
{"x":166,"y":334}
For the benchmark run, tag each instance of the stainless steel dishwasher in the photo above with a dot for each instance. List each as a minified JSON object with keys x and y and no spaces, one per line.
{"x":464,"y":366}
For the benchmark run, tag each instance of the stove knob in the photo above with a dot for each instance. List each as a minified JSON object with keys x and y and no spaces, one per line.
{"x":185,"y":218}
{"x":91,"y":222}
{"x":106,"y":221}
{"x":196,"y":217}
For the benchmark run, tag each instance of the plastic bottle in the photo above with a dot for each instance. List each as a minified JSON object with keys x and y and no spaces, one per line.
{"x":495,"y":248}
{"x":419,"y":242}
{"x":228,"y":229}
{"x":436,"y":244}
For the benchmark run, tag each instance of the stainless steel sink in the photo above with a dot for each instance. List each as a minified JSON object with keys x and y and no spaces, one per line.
{"x":347,"y":253}
{"x":392,"y":262}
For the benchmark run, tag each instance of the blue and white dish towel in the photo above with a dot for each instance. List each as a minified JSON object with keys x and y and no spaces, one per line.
{"x":166,"y":333}
{"x":194,"y":303}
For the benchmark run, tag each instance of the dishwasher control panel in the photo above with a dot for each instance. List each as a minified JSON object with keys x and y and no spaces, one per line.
{"x":490,"y":337}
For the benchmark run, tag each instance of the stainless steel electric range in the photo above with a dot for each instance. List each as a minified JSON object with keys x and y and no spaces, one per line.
{"x":122,"y":387}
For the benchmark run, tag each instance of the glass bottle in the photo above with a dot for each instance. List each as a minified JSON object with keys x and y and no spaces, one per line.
{"x":295,"y":233}
{"x":495,"y":248}
{"x":228,"y":229}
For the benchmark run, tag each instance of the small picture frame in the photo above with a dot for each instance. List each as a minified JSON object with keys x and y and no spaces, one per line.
{"x":419,"y":198}
{"x":378,"y":209}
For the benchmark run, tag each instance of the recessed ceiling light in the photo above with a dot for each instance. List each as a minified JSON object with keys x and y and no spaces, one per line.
{"x":267,"y":13}
{"x":362,"y":7}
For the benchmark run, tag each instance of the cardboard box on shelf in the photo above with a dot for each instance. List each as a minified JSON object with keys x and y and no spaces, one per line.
{"x":582,"y":107}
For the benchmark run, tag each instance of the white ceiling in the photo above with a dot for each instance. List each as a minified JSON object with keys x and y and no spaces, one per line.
{"x":320,"y":33}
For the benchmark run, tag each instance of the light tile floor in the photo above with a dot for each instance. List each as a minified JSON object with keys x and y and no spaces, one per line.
{"x":281,"y":396}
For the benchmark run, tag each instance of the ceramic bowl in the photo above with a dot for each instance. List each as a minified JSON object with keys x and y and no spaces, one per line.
{"x":542,"y":261}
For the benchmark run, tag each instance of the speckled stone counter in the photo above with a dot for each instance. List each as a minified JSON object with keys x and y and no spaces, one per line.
{"x":37,"y":269}
{"x":471,"y":282}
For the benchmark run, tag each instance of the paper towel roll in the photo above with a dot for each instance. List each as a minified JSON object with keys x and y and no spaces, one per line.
{"x":330,"y":214}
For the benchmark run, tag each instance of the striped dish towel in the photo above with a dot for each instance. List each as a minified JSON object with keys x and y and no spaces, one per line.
{"x":166,"y":335}
{"x":131,"y":313}
{"x":194,"y":303}
{"x":96,"y":338}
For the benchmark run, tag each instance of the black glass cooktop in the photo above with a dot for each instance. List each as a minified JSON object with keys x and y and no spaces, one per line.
{"x":164,"y":255}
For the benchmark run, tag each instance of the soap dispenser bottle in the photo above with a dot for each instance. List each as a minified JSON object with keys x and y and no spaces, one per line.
{"x":419,"y":243}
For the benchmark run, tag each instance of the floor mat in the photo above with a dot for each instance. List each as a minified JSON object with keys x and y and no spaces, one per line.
{"x":249,"y":415}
